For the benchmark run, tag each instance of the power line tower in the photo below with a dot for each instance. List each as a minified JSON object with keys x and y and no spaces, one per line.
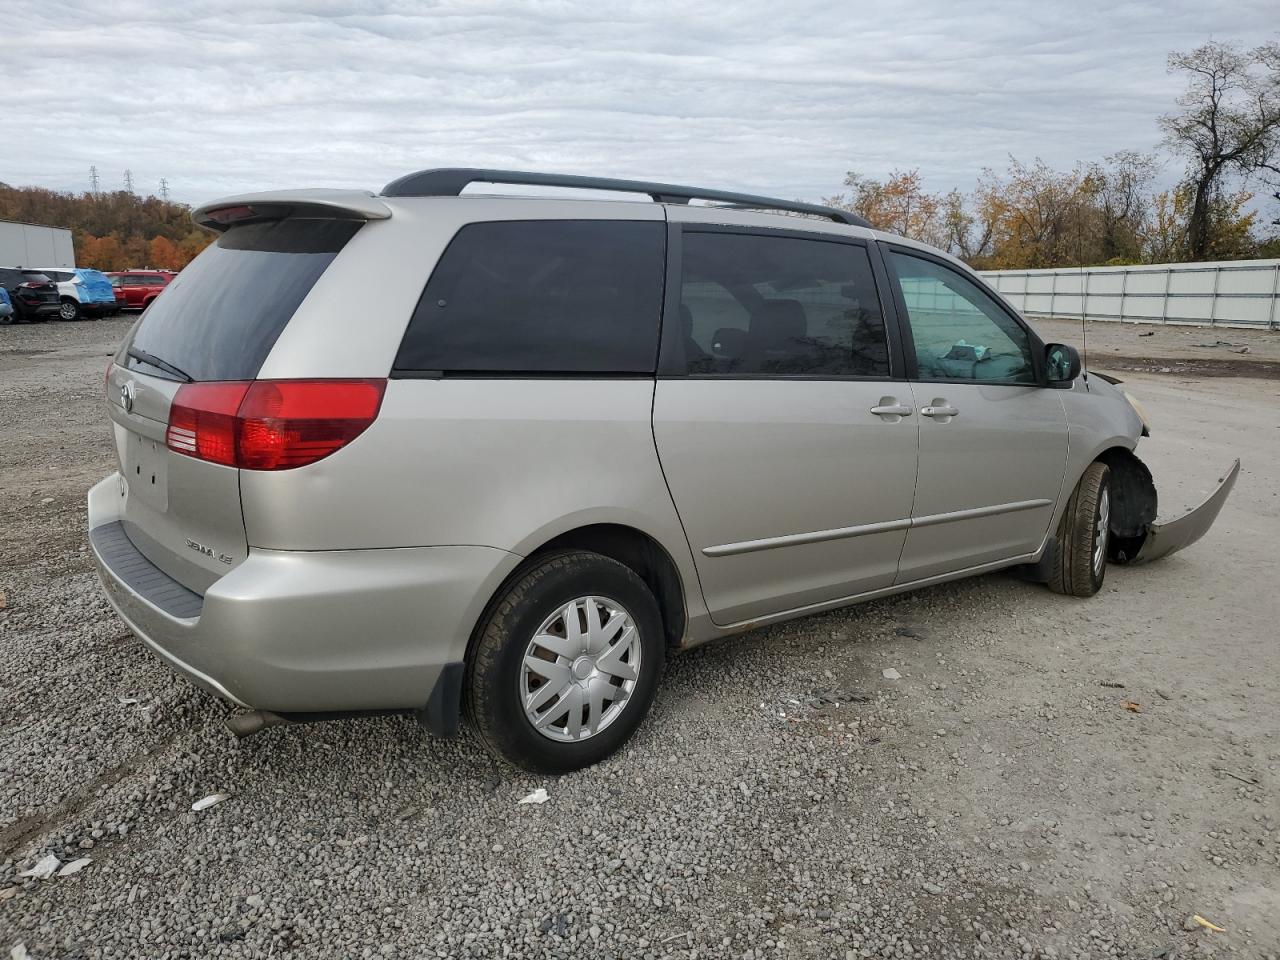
{"x":128,"y":180}
{"x":164,"y":189}
{"x":93,"y":180}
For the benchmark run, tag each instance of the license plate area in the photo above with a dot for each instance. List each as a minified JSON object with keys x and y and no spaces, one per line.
{"x":144,"y":468}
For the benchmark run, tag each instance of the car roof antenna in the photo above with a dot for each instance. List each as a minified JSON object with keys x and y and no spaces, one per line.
{"x":1084,"y":302}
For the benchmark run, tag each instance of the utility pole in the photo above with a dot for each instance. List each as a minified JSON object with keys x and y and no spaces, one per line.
{"x":128,"y":180}
{"x":93,"y":180}
{"x":164,"y":189}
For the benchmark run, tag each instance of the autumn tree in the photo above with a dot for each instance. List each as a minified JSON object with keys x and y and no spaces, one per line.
{"x":899,"y":204}
{"x":1229,"y":126}
{"x":114,"y":230}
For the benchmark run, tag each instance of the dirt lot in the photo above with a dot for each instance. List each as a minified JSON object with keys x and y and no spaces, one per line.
{"x":1001,"y":799}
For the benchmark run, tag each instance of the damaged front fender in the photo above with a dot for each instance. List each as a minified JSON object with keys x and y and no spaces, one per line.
{"x":1163,"y":539}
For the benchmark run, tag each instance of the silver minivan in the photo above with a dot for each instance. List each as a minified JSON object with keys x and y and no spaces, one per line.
{"x":499,"y":456}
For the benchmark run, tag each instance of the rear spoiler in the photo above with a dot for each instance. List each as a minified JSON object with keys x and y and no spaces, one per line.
{"x":279,"y":204}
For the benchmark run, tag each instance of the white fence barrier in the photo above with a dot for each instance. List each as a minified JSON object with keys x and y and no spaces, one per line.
{"x":1230,"y":293}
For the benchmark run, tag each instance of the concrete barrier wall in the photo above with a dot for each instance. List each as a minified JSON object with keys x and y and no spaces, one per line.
{"x":1230,"y":293}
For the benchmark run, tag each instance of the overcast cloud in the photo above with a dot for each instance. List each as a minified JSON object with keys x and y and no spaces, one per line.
{"x":776,"y":97}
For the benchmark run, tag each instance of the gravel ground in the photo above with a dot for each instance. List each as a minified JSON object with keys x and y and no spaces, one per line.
{"x":785,"y":799}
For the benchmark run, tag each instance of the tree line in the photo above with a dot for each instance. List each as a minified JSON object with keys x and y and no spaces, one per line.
{"x":111,"y":231}
{"x":1226,"y":132}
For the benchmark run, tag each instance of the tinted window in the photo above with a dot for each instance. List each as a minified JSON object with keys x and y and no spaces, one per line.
{"x":221,"y":316}
{"x":960,"y":332}
{"x":542,"y":296}
{"x":753,"y":304}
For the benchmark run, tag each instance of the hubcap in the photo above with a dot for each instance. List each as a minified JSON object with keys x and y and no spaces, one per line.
{"x":1103,"y":531}
{"x":580,"y":669}
{"x":68,"y":311}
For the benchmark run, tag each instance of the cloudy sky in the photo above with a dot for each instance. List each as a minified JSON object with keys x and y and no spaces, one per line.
{"x":771,"y":96}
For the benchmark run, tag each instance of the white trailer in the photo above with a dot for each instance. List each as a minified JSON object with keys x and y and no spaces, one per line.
{"x":31,"y":245}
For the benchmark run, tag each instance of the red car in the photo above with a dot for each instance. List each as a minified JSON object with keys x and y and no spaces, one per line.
{"x":135,"y":289}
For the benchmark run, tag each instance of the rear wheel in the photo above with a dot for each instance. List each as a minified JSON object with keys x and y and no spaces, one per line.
{"x":566,"y":664}
{"x":1080,"y":562}
{"x":69,"y":310}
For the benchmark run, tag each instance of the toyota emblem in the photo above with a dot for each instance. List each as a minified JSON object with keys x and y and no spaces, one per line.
{"x":126,"y":396}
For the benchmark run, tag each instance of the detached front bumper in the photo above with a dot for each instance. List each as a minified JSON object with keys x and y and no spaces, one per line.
{"x":307,"y":632}
{"x":1171,"y":536}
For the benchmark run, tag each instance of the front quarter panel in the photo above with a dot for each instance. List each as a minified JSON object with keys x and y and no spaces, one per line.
{"x":1099,"y":418}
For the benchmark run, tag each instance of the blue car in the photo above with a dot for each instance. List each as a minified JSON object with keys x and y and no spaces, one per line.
{"x":6,"y":307}
{"x":82,"y":292}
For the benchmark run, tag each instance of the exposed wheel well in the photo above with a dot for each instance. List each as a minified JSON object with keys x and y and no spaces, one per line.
{"x":641,"y":553}
{"x":1133,"y":502}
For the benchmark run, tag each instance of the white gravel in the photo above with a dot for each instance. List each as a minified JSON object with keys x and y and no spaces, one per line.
{"x":784,"y":799}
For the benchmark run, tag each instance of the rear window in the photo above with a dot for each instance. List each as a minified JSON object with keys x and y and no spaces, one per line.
{"x":221,"y":316}
{"x":542,"y":297}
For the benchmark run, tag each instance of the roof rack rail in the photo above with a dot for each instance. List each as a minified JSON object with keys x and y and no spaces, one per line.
{"x":451,"y":181}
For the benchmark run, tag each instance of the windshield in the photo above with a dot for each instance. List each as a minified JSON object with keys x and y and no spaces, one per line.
{"x":220,"y":317}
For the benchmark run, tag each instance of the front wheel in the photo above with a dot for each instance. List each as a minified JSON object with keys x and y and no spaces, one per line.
{"x":566,"y":663}
{"x":1080,"y":562}
{"x":69,"y":310}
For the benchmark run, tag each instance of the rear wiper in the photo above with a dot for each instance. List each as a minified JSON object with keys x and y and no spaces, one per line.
{"x":152,"y":360}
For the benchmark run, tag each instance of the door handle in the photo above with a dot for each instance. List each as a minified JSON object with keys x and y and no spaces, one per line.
{"x":939,"y":410}
{"x":891,"y":410}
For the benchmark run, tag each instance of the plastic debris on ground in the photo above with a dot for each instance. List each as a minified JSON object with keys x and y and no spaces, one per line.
{"x":891,"y":674}
{"x":204,"y":803}
{"x":44,"y":869}
{"x":538,"y":796}
{"x":75,"y":866}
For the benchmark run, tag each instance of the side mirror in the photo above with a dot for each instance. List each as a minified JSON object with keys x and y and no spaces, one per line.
{"x":1062,"y":363}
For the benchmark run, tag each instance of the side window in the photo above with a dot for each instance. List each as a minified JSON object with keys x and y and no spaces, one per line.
{"x":960,"y":332}
{"x":542,"y":296}
{"x":752,"y":304}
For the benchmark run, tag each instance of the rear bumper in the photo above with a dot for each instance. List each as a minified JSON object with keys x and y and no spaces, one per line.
{"x":98,"y":308}
{"x":303,"y":632}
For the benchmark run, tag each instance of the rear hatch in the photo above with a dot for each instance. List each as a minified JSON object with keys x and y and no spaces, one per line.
{"x":38,"y":288}
{"x":210,"y":332}
{"x":95,"y":287}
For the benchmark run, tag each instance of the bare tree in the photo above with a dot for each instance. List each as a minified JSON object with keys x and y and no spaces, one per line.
{"x":1229,"y":124}
{"x":1120,"y":188}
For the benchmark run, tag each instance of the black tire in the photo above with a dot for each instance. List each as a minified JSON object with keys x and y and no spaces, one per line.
{"x":69,"y":310}
{"x":492,"y":693}
{"x":1076,"y":570}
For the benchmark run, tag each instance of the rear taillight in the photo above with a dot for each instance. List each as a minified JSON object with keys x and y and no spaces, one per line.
{"x":270,"y":424}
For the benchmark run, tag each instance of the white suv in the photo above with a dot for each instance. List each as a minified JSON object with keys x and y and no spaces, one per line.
{"x":501,"y":455}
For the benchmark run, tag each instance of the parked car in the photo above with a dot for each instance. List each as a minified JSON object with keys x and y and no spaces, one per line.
{"x":135,"y":289}
{"x":82,"y":292}
{"x":34,"y":295}
{"x":562,"y":439}
{"x":6,"y":307}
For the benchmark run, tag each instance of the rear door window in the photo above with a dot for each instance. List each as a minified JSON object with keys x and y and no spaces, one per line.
{"x":542,"y":297}
{"x":221,"y":316}
{"x":760,"y":305}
